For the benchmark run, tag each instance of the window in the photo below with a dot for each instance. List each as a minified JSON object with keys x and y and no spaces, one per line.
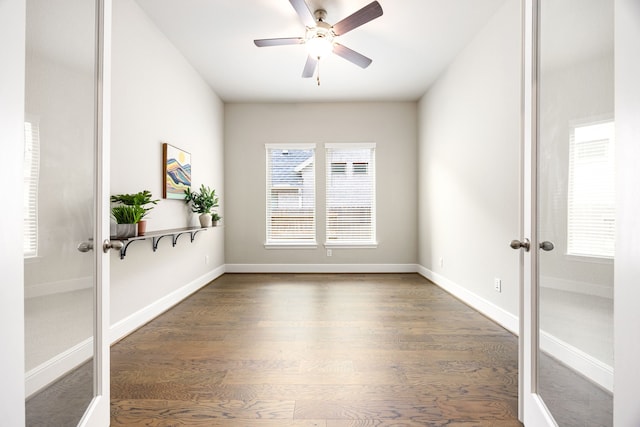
{"x":360,"y":168}
{"x":591,"y":204}
{"x":30,"y":198}
{"x":291,"y":216}
{"x":338,"y":168}
{"x":351,"y":195}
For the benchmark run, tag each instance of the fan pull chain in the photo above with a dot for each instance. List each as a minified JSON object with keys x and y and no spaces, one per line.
{"x":318,"y":75}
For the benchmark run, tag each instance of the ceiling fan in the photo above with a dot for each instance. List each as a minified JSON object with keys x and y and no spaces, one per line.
{"x":320,"y":37}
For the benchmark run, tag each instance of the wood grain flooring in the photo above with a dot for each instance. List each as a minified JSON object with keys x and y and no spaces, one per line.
{"x":356,"y":350}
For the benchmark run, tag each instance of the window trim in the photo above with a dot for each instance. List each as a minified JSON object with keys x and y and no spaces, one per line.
{"x":346,"y":245}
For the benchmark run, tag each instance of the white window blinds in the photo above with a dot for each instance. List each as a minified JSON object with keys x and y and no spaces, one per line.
{"x":291,"y":215}
{"x":350,"y":194}
{"x":30,"y":197}
{"x":591,"y":200}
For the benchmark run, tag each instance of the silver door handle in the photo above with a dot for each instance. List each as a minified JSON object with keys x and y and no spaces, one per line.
{"x":546,"y":246}
{"x":85,"y":246}
{"x":112,"y":244}
{"x":517,"y":244}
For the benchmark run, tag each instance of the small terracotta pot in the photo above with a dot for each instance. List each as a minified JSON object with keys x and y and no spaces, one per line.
{"x":142,"y":227}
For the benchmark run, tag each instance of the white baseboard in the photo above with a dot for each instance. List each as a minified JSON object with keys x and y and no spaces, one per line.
{"x":321,"y":268}
{"x":576,"y":287}
{"x":499,"y":315}
{"x":57,"y":287}
{"x":132,"y":322}
{"x":54,"y":368}
{"x":586,"y":365}
{"x":590,"y":367}
{"x":49,"y":371}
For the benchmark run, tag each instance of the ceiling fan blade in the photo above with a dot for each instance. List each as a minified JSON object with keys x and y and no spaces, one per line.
{"x":303,"y":12}
{"x":278,"y":42}
{"x":351,"y":55}
{"x":368,"y":13}
{"x":309,"y":67}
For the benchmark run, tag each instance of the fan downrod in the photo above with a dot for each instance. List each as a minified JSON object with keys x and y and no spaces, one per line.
{"x":320,"y":15}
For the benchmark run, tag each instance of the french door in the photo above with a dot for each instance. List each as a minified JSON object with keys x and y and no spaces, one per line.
{"x":568,"y":228}
{"x":67,"y":106}
{"x":98,"y":412}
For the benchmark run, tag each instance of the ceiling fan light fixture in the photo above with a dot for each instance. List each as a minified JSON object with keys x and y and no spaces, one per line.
{"x":319,"y":46}
{"x":321,"y":38}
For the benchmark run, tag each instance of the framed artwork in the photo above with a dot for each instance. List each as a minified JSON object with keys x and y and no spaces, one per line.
{"x":177,"y":172}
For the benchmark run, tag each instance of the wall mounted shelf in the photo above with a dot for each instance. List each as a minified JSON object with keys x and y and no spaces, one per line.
{"x":155,"y":237}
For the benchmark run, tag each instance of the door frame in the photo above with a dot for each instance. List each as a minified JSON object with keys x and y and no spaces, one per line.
{"x":533,"y":411}
{"x":98,"y":412}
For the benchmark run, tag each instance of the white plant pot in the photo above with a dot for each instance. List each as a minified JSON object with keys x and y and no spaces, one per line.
{"x":124,"y":231}
{"x":205,"y":220}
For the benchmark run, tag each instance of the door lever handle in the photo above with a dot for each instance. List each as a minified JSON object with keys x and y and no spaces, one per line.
{"x":518,"y":244}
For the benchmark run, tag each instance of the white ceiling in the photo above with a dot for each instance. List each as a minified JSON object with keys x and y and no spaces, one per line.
{"x":411,"y":44}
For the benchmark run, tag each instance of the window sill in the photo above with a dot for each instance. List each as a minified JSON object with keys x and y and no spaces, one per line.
{"x":589,"y":259}
{"x":350,"y":245}
{"x":291,"y":245}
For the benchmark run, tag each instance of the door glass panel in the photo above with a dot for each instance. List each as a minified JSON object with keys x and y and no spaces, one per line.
{"x":576,"y":210}
{"x":59,"y":214}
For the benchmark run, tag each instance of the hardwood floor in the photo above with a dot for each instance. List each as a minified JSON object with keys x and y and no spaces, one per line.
{"x":353,"y":350}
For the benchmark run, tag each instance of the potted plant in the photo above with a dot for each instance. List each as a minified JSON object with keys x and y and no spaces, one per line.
{"x":215,"y":217}
{"x":142,"y":199}
{"x":201,"y":203}
{"x":127,"y":216}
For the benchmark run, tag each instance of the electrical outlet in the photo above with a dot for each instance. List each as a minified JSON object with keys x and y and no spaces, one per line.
{"x":441,"y":262}
{"x":329,"y":252}
{"x":497,"y":285}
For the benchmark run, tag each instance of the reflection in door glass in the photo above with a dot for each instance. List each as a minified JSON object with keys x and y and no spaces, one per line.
{"x":591,"y":197}
{"x":576,"y":210}
{"x":58,"y":205}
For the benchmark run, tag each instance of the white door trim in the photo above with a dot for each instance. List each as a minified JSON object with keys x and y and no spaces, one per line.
{"x":533,"y":410}
{"x":98,"y":413}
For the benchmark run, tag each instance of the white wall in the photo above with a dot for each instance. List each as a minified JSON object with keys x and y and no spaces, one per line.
{"x":469,"y":166}
{"x":627,"y":268}
{"x":158,"y":97}
{"x":392,"y":126}
{"x":12,"y":57}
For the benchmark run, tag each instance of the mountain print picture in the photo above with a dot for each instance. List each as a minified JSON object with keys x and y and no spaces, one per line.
{"x":177,"y":172}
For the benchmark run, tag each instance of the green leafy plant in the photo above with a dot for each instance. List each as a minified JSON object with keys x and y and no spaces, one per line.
{"x":201,"y":202}
{"x":127,"y":214}
{"x":215,"y":217}
{"x":141,"y":199}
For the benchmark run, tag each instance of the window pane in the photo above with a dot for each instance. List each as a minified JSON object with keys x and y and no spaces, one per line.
{"x":591,"y":204}
{"x":290,"y":195}
{"x":338,"y":168}
{"x":351,"y":195}
{"x":360,"y":168}
{"x":31,"y":177}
